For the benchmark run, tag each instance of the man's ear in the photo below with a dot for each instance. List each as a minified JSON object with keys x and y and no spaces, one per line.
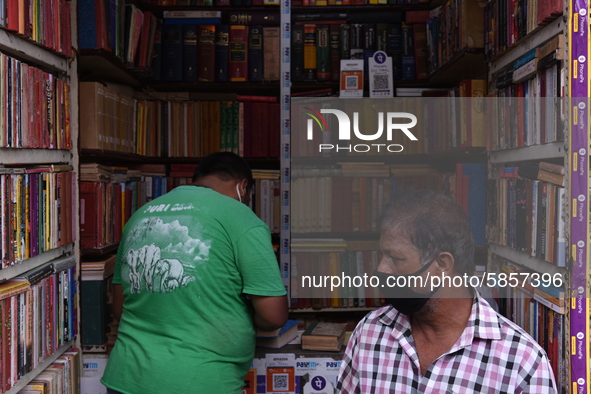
{"x":445,"y":262}
{"x":243,"y":187}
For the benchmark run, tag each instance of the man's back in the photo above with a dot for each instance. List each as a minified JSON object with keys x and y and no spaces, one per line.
{"x":184,"y":262}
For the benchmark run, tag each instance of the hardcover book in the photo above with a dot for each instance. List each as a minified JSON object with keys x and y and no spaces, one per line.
{"x":324,"y":336}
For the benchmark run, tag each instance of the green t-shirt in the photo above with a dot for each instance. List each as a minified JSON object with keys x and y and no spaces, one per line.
{"x":185,"y":262}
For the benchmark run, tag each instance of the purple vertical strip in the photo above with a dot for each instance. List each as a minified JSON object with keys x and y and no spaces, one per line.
{"x":579,"y":236}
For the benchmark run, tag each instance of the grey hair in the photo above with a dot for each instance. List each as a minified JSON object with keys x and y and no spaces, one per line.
{"x":434,"y":224}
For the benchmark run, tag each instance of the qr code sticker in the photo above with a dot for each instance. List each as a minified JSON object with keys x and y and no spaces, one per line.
{"x":280,"y":381}
{"x":380,"y":81}
{"x":351,"y":82}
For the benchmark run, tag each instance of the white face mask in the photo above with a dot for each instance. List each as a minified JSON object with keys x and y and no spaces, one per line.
{"x":238,"y":192}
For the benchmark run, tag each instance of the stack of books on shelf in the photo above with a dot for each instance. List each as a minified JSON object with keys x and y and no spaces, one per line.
{"x":39,"y":315}
{"x":526,"y":210}
{"x":348,"y":199}
{"x":507,"y":21}
{"x":61,"y":376}
{"x":266,"y":202}
{"x":538,"y":305}
{"x":106,"y":205}
{"x":35,"y":107}
{"x":320,"y":41}
{"x":97,"y":269}
{"x":196,"y":46}
{"x":46,"y":22}
{"x":38,"y":210}
{"x":248,"y":125}
{"x":529,"y":111}
{"x":187,"y":46}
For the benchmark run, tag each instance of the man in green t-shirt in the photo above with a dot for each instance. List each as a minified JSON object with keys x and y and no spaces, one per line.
{"x":195,"y":276}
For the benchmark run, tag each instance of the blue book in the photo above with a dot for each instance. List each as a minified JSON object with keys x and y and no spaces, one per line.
{"x":255,"y":53}
{"x":189,"y":53}
{"x":86,"y":24}
{"x":280,"y":337}
{"x":477,"y":200}
{"x":222,"y":34}
{"x":172,"y":53}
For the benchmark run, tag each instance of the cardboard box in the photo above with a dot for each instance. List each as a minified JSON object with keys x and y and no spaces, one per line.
{"x":93,"y":366}
{"x":92,"y":386}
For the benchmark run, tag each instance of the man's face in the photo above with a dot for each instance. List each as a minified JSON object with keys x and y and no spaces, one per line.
{"x":399,"y":257}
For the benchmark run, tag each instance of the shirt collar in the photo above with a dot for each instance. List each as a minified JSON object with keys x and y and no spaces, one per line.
{"x":483,"y":323}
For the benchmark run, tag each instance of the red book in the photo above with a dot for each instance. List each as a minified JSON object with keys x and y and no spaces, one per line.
{"x":12,"y":15}
{"x":413,"y":17}
{"x":238,"y":63}
{"x":144,"y":39}
{"x":206,"y":53}
{"x":90,"y":220}
{"x":67,"y":25}
{"x":260,"y":129}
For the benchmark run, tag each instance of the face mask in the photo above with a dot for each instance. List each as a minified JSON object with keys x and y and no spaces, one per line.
{"x":404,"y":299}
{"x":238,"y":192}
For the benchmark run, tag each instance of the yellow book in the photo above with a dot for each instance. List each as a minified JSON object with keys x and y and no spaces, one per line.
{"x":13,"y":287}
{"x":37,"y":386}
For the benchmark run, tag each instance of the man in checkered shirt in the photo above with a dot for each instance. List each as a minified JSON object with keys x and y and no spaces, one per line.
{"x":444,"y":341}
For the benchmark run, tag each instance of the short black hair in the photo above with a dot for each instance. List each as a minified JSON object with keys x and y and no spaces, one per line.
{"x":225,"y":165}
{"x":434,"y":223}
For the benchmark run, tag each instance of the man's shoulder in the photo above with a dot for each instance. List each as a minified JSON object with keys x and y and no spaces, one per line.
{"x":383,"y":316}
{"x":512,"y":335}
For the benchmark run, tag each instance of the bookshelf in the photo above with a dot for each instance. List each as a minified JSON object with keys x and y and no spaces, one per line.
{"x":461,"y":64}
{"x":572,"y":372}
{"x":40,"y":55}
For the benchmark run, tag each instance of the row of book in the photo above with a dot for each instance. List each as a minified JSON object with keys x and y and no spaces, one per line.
{"x":508,"y":21}
{"x":62,"y":376}
{"x":317,"y":47}
{"x":35,"y":107}
{"x":527,"y":212}
{"x":104,"y":210}
{"x":342,"y":260}
{"x":531,"y":110}
{"x":183,"y":128}
{"x":39,"y":316}
{"x":109,"y":196}
{"x":198,"y":128}
{"x":46,"y":22}
{"x":350,"y":199}
{"x":297,"y":3}
{"x":459,"y":121}
{"x":38,"y":211}
{"x":451,"y":28}
{"x":118,"y":28}
{"x":107,"y":117}
{"x":540,"y":311}
{"x":222,"y":53}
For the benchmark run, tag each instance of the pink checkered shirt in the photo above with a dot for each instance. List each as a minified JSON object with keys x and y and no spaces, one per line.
{"x":493,"y":355}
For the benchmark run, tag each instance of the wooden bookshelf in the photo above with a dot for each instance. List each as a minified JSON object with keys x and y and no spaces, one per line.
{"x":526,"y":260}
{"x":554,"y":150}
{"x":101,"y":65}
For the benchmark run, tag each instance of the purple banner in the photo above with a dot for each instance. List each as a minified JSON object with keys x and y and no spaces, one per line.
{"x":579,"y":235}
